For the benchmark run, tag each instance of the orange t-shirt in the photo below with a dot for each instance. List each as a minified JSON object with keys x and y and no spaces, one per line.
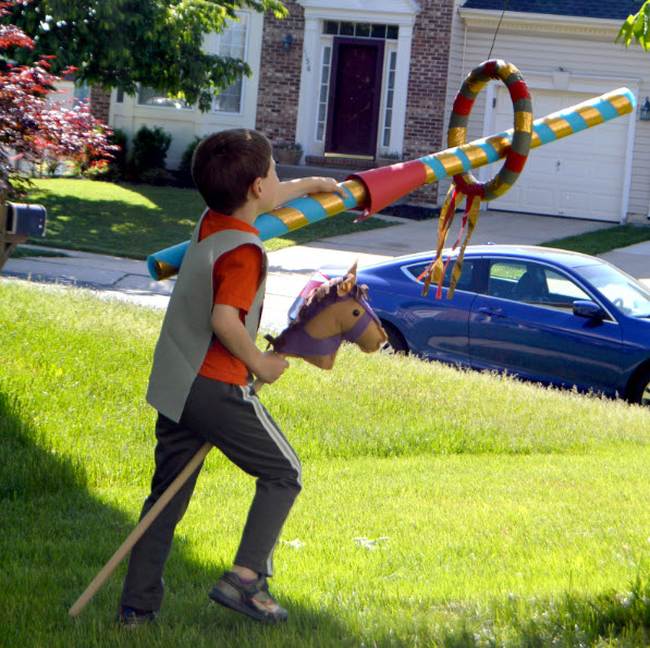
{"x":235,"y":280}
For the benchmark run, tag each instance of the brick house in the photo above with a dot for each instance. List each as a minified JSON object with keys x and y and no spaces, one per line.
{"x":352,"y":82}
{"x":356,"y":82}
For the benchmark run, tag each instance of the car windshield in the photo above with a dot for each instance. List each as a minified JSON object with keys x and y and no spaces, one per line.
{"x":625,"y":292}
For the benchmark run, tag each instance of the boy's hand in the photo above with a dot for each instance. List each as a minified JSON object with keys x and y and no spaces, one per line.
{"x":291,"y":189}
{"x":270,"y":367}
{"x":320,"y":184}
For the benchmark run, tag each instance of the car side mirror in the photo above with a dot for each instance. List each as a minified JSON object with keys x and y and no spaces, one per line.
{"x":588,"y":310}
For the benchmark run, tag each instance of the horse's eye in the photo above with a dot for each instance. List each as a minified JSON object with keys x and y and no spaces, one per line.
{"x":356,"y":312}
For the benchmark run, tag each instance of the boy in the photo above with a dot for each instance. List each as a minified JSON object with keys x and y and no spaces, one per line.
{"x":201,"y":380}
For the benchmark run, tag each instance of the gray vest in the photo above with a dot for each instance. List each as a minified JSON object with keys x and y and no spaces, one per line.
{"x":187,"y":331}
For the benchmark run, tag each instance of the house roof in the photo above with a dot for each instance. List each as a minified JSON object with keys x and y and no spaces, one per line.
{"x":607,"y":9}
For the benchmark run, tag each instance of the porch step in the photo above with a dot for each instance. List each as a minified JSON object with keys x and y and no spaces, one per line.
{"x":340,"y":162}
{"x":291,"y":171}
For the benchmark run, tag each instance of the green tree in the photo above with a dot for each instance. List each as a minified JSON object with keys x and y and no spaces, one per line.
{"x":637,"y":27}
{"x":121,"y":43}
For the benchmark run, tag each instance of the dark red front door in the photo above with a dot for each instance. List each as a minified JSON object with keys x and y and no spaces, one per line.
{"x":355,"y":89}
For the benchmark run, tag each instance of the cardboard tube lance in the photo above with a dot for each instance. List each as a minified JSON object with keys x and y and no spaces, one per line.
{"x":371,"y":191}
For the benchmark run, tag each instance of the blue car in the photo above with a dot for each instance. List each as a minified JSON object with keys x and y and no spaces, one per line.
{"x":547,"y":315}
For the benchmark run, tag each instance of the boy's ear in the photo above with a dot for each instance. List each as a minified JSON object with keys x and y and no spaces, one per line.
{"x":256,"y":188}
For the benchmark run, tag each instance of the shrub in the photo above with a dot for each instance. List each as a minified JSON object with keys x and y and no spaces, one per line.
{"x":184,"y":172}
{"x":111,"y":169}
{"x":148,"y":150}
{"x":287,"y":152}
{"x":117,"y":165}
{"x":52,"y":166}
{"x":32,"y":130}
{"x":157,"y":177}
{"x":98,"y":172}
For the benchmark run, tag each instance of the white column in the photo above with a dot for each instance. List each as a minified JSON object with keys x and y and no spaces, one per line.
{"x":309,"y":87}
{"x":627,"y":173}
{"x":404,"y":42}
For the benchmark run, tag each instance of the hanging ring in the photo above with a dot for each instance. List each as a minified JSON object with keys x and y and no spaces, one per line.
{"x":523,"y":127}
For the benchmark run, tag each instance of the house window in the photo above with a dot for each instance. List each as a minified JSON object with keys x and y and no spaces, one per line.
{"x":360,"y":30}
{"x":324,"y":92}
{"x":158,"y":98}
{"x":232,"y":42}
{"x":390,"y":93}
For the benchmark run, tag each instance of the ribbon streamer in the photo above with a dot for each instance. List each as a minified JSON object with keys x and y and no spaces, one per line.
{"x":375,"y":189}
{"x":465,"y":185}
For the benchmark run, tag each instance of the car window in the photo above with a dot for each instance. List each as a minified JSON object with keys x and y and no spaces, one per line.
{"x":504,"y":277}
{"x":625,"y":292}
{"x":563,"y":291}
{"x":533,"y":283}
{"x":464,"y":282}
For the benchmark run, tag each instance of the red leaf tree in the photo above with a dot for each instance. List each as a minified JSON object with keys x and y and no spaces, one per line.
{"x":31,"y":128}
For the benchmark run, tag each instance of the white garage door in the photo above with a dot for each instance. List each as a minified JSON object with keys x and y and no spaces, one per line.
{"x":578,"y":176}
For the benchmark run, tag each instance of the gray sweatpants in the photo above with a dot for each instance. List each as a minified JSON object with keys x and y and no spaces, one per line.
{"x":232,"y":418}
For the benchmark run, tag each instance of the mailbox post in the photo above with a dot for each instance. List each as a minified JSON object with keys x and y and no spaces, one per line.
{"x":18,"y":222}
{"x":8,"y":242}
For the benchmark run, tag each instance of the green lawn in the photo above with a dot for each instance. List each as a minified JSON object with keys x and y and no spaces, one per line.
{"x":439,"y":507}
{"x":603,"y":240}
{"x":136,"y":220}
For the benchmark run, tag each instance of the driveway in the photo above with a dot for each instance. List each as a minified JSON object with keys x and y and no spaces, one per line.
{"x":289,"y":268}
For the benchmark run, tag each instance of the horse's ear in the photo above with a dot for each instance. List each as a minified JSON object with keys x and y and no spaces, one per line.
{"x":348,"y":283}
{"x":345,"y":286}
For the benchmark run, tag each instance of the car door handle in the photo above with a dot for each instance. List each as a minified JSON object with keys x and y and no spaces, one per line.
{"x":492,"y":312}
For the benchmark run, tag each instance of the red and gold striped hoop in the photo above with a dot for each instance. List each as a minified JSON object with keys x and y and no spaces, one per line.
{"x":465,"y":185}
{"x":523,"y":127}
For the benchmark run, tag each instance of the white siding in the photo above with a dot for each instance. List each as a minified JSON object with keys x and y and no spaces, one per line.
{"x":458,"y":70}
{"x":565,"y":178}
{"x":185,"y":124}
{"x":592,"y":60}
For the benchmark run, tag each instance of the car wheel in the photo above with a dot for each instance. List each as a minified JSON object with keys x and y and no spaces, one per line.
{"x":396,"y":342}
{"x":640,"y":392}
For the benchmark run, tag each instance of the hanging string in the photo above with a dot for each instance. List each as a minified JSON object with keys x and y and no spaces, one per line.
{"x":494,"y":40}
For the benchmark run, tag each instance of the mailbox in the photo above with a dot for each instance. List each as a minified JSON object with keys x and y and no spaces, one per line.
{"x":18,"y":222}
{"x":25,"y":220}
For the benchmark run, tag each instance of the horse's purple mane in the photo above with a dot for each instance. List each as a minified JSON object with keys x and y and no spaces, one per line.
{"x":323,"y":296}
{"x":319,"y":299}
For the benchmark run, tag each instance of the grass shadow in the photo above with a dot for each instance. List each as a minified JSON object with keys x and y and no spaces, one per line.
{"x":608,"y":618}
{"x":156,"y":218}
{"x":149,"y":218}
{"x":56,"y":536}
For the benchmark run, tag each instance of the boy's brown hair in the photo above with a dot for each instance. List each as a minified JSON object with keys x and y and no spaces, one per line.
{"x":226,"y":164}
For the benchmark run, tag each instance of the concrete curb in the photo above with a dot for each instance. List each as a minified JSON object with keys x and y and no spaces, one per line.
{"x":290,"y":267}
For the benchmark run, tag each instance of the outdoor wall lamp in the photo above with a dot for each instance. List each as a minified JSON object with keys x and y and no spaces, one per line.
{"x":644,"y":111}
{"x":287,"y":42}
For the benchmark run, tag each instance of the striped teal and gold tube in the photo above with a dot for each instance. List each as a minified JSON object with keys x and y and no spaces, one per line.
{"x":397,"y":180}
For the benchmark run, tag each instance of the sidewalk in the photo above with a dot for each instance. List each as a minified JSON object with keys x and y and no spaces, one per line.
{"x":289,"y":268}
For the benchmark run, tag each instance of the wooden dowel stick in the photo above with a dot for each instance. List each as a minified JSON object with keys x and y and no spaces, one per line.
{"x":139,"y":530}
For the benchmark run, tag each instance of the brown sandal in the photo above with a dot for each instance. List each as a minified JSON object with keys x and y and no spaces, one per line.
{"x":252,"y":599}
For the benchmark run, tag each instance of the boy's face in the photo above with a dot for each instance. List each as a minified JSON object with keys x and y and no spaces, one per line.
{"x":269,"y":189}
